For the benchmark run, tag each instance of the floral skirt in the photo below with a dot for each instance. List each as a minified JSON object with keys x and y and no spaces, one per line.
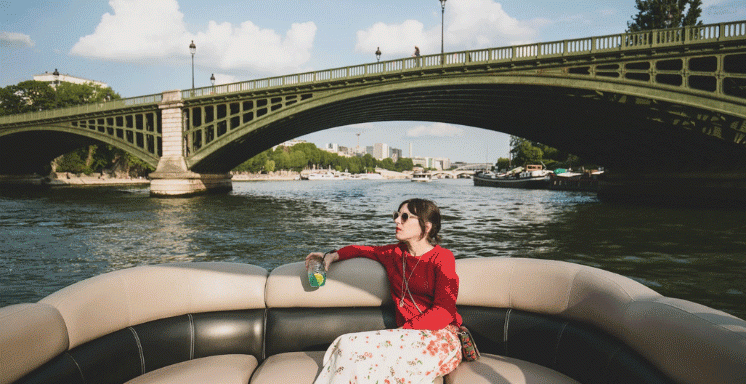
{"x":391,"y":356}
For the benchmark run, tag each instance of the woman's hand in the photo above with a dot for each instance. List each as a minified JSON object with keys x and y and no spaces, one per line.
{"x":329,"y":258}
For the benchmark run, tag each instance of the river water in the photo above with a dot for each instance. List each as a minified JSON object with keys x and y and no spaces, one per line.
{"x":52,"y":238}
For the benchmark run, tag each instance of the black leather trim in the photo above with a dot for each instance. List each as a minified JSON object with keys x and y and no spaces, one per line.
{"x":61,"y":369}
{"x":314,"y":329}
{"x":237,"y":332}
{"x":125,"y":354}
{"x":577,"y":350}
{"x":582,"y":352}
{"x":164,"y":342}
{"x":111,"y":359}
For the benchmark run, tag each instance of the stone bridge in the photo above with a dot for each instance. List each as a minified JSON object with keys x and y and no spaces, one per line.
{"x":649,"y":106}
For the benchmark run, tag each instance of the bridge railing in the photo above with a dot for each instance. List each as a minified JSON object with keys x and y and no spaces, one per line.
{"x":563,"y":48}
{"x":735,"y":30}
{"x":81,"y":109}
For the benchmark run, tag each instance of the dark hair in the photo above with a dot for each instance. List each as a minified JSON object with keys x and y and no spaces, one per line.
{"x":426,"y":211}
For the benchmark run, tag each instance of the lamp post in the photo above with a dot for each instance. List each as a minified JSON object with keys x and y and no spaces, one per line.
{"x":378,"y":54}
{"x":192,"y":50}
{"x":212,"y":81}
{"x":442,"y":26}
{"x":56,"y":77}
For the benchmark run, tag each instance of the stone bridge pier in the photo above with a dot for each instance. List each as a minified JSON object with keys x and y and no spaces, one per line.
{"x":172,"y":177}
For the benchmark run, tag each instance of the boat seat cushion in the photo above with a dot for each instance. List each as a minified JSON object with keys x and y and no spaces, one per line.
{"x":293,"y":367}
{"x":224,"y":369}
{"x":494,"y":369}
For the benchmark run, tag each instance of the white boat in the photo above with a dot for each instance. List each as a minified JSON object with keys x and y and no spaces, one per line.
{"x":368,"y":176}
{"x":422,"y":177}
{"x":537,"y":321}
{"x":329,"y":175}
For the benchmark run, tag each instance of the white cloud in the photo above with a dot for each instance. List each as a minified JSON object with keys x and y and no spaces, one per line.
{"x":397,"y":39}
{"x":148,"y":30}
{"x":250,"y":47}
{"x":469,"y":24}
{"x":435,"y":130}
{"x":15,"y":40}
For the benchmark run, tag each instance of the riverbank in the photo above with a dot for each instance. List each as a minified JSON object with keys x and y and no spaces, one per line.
{"x":97,"y":179}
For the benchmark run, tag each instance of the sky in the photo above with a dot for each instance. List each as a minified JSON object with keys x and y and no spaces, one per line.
{"x":141,"y":47}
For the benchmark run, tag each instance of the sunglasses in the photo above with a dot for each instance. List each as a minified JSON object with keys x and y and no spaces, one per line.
{"x":404,"y":216}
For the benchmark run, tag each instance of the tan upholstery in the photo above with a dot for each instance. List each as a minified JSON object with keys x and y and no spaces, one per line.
{"x":119,"y":299}
{"x":493,"y":369}
{"x":689,"y":342}
{"x":223,"y":369}
{"x":293,"y":367}
{"x":573,"y":291}
{"x":355,"y":282}
{"x":30,"y":335}
{"x":661,"y":329}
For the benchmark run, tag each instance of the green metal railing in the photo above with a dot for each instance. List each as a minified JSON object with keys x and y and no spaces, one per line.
{"x":671,"y":37}
{"x":81,"y":109}
{"x":611,"y":43}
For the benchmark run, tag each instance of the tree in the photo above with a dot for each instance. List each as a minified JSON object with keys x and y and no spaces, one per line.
{"x":659,"y":14}
{"x":524,"y":152}
{"x":403,"y":164}
{"x":269,"y":166}
{"x":502,"y":163}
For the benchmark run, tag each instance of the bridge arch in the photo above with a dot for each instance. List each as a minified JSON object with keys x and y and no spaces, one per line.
{"x":30,"y":148}
{"x":609,"y":122}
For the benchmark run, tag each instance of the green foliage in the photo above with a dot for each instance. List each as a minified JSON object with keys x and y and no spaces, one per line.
{"x":31,"y":96}
{"x":524,"y":152}
{"x":269,"y":166}
{"x":503,"y":163}
{"x":307,"y":155}
{"x":658,"y":14}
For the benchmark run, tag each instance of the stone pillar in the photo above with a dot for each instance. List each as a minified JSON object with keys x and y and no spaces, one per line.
{"x":172,"y":177}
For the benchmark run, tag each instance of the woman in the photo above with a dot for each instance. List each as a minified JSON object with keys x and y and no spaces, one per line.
{"x":424,"y":286}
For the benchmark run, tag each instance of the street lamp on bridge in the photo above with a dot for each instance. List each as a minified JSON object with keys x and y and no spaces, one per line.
{"x":378,"y":54}
{"x":212,"y":79}
{"x":442,"y":26}
{"x":192,"y":50}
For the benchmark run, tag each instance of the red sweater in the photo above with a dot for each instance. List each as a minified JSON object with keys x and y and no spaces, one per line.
{"x":433,"y":283}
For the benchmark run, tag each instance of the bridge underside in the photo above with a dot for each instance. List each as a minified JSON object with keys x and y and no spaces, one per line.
{"x":31,"y":152}
{"x":618,"y":131}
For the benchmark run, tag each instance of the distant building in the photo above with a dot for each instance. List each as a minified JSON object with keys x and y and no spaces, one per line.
{"x":380,"y":151}
{"x":395,"y":154}
{"x":331,"y":147}
{"x":438,"y":163}
{"x":289,"y":143}
{"x":444,"y":162}
{"x":55,"y":78}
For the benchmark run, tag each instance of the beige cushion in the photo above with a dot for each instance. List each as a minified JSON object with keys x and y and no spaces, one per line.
{"x":293,"y":367}
{"x":689,"y":342}
{"x":116,"y":300}
{"x":30,"y":335}
{"x":573,"y":291}
{"x":354,"y":282}
{"x":493,"y":369}
{"x":220,"y":369}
